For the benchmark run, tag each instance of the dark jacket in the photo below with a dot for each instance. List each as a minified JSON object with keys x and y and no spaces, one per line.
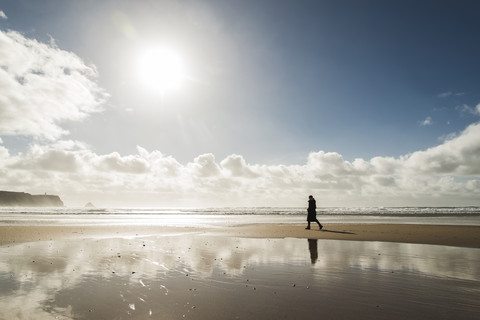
{"x":312,"y":210}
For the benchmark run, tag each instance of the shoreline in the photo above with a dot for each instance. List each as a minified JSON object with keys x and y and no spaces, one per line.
{"x":446,"y":235}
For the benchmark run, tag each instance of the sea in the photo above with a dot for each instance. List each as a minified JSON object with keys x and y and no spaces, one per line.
{"x":231,"y":216}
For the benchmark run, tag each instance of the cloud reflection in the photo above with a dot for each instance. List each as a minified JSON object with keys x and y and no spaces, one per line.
{"x":143,"y":277}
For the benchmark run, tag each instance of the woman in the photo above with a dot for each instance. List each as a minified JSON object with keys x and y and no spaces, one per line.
{"x":312,"y":212}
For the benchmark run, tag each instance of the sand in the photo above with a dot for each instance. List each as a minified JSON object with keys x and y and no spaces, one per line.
{"x":461,"y":236}
{"x":258,"y":271}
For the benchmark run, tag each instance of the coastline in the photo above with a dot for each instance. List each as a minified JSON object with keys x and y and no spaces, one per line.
{"x":446,"y":235}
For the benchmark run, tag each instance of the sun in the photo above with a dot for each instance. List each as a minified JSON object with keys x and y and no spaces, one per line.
{"x":160,"y":70}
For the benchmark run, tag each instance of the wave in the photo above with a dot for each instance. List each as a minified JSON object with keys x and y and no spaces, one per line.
{"x":340,"y":211}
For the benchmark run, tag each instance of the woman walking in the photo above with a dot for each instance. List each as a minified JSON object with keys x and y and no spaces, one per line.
{"x":312,"y":212}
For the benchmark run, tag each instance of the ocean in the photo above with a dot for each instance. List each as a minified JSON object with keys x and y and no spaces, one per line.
{"x":220,"y":217}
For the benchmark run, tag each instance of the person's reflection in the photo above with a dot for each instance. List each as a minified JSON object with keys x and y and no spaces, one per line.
{"x":312,"y":246}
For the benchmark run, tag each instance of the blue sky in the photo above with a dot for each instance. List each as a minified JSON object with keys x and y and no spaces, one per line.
{"x":268,"y":85}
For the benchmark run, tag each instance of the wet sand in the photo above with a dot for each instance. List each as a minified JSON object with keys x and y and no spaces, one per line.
{"x":258,"y":271}
{"x":461,"y":236}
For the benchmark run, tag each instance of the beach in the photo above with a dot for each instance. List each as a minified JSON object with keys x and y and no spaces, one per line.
{"x":448,"y":235}
{"x":239,"y":271}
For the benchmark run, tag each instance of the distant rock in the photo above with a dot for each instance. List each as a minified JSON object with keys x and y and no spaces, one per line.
{"x":22,"y":199}
{"x":89,"y":205}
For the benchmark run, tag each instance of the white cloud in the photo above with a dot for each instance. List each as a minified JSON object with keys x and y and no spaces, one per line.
{"x":3,"y":153}
{"x":43,"y":86}
{"x":238,"y":167}
{"x":3,"y":15}
{"x":113,"y":162}
{"x":205,"y":166}
{"x":449,"y":94}
{"x":445,"y":94}
{"x":426,"y":122}
{"x":470,"y":110}
{"x":459,"y":156}
{"x":448,"y":174}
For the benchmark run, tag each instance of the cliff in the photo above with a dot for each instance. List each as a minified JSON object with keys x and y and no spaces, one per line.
{"x":22,"y":199}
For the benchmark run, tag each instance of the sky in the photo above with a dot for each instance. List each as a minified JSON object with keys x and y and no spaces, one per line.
{"x":180,"y":103}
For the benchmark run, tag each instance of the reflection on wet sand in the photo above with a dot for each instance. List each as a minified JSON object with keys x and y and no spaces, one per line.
{"x":179,"y":276}
{"x":313,"y":248}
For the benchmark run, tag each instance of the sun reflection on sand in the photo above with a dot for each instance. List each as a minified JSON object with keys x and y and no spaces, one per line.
{"x":174,"y":276}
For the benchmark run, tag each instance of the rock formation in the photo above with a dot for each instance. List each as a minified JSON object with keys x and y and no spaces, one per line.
{"x":22,"y":199}
{"x":89,"y":205}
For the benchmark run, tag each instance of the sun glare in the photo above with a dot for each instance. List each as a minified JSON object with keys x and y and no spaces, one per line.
{"x":160,"y":70}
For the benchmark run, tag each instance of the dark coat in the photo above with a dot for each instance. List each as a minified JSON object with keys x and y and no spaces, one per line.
{"x":312,"y":210}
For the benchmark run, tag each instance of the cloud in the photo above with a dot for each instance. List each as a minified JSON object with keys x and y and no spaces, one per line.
{"x":466,"y":109}
{"x":445,"y":94}
{"x":238,"y":167}
{"x":205,"y":166}
{"x":459,"y":156}
{"x":43,"y":86}
{"x":114,"y":162}
{"x":449,"y":94}
{"x":3,"y":151}
{"x":426,"y":122}
{"x":447,"y":174}
{"x":3,"y":15}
